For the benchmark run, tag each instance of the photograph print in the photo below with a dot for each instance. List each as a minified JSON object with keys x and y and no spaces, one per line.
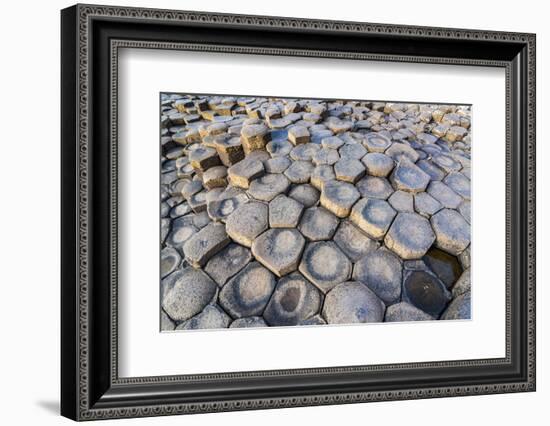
{"x":280,"y":212}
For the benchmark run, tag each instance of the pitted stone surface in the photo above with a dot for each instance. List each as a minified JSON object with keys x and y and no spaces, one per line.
{"x":373,"y":216}
{"x":339,"y":197}
{"x":445,"y":195}
{"x":248,"y":322}
{"x":247,"y":222}
{"x":305,"y":194}
{"x":349,"y":170}
{"x":190,"y":293}
{"x":408,"y":177}
{"x":318,"y":224}
{"x":353,"y":242}
{"x":242,"y":173}
{"x":324,"y":264}
{"x":321,"y":175}
{"x":378,"y":164}
{"x":279,"y":250}
{"x":376,"y":142}
{"x":227,"y":263}
{"x":205,"y":243}
{"x":284,"y":212}
{"x":381,"y":271}
{"x":267,"y":187}
{"x":248,"y":292}
{"x":375,"y":187}
{"x":403,"y":311}
{"x":299,"y":171}
{"x":451,"y":230}
{"x":410,"y":236}
{"x":212,"y":316}
{"x":459,"y":309}
{"x":424,"y":291}
{"x":295,"y":300}
{"x":352,"y":302}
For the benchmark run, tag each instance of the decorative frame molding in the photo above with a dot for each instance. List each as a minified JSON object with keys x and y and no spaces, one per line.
{"x":91,"y":388}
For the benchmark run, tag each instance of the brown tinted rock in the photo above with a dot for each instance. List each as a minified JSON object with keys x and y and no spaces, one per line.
{"x":242,"y":173}
{"x":215,"y":177}
{"x":298,"y":135}
{"x":203,"y":158}
{"x":299,"y":171}
{"x":230,"y":151}
{"x":254,"y":137}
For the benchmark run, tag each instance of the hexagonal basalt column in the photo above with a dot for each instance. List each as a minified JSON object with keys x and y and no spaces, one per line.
{"x":376,"y":142}
{"x":295,"y":299}
{"x":202,"y":158}
{"x":373,"y":216}
{"x":247,"y":222}
{"x":284,"y":212}
{"x":403,"y":312}
{"x":375,"y":187}
{"x":378,"y":164}
{"x":248,"y":292}
{"x":409,"y":177}
{"x":352,"y":302}
{"x":451,"y":230}
{"x":425,"y":291}
{"x":279,"y":250}
{"x":410,"y":236}
{"x":339,"y":197}
{"x":254,"y":137}
{"x":318,"y":224}
{"x":325,"y":265}
{"x":205,"y":243}
{"x":242,"y":173}
{"x":267,"y":187}
{"x":349,"y":170}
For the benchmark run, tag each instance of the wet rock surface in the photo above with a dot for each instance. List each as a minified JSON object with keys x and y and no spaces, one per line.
{"x":269,"y":207}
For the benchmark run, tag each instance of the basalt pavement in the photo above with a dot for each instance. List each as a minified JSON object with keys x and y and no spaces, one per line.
{"x":280,"y":212}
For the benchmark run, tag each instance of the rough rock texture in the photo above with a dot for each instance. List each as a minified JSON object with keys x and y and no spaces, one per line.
{"x":270,"y":206}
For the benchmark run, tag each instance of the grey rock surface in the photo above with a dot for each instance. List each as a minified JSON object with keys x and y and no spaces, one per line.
{"x":352,"y":302}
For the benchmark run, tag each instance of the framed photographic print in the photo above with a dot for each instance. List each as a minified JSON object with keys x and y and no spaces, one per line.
{"x":263,"y":212}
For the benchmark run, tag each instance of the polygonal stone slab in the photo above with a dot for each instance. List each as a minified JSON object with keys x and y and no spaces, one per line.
{"x":426,"y":205}
{"x":430,"y":168}
{"x":227,"y":263}
{"x":230,"y":151}
{"x":321,"y":175}
{"x":352,"y":151}
{"x":376,"y":142}
{"x":304,"y":152}
{"x":446,"y":267}
{"x":284,"y":212}
{"x":381,"y":271}
{"x":378,"y":164}
{"x":465,"y":210}
{"x":332,"y":142}
{"x":298,"y":135}
{"x":349,"y":170}
{"x":463,"y":284}
{"x":205,"y":243}
{"x":254,"y":137}
{"x":446,"y":163}
{"x":459,"y":308}
{"x":267,"y":187}
{"x":169,"y":261}
{"x":373,"y":216}
{"x":248,"y":322}
{"x":182,"y":229}
{"x":398,"y":151}
{"x":459,"y":184}
{"x":279,"y":148}
{"x":299,"y":171}
{"x":425,"y":291}
{"x":247,"y":222}
{"x":242,"y":173}
{"x":202,"y":158}
{"x":305,"y":194}
{"x":277,"y":165}
{"x":318,"y":224}
{"x":294,"y":300}
{"x":248,"y":292}
{"x":339,"y":197}
{"x":375,"y":187}
{"x":451,"y":230}
{"x":211,"y":317}
{"x":408,"y":177}
{"x":325,"y":156}
{"x":215,"y":177}
{"x":324,"y":264}
{"x":339,"y":126}
{"x":445,"y":195}
{"x":403,"y":312}
{"x":353,"y":242}
{"x":226,"y":203}
{"x":352,"y":302}
{"x":189,"y":294}
{"x":402,"y":201}
{"x":410,"y":236}
{"x":279,"y":250}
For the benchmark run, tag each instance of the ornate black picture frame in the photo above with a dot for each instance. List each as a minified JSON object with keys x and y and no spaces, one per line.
{"x":90,"y":38}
